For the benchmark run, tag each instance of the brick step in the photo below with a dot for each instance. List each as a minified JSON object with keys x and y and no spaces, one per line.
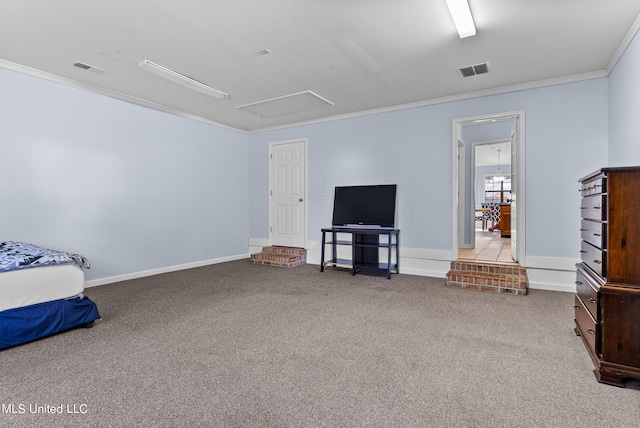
{"x":280,"y":256}
{"x":498,"y":278}
{"x":507,"y":269}
{"x":285,"y":250}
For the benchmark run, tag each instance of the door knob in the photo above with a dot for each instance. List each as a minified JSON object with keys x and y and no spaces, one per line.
{"x":300,"y":200}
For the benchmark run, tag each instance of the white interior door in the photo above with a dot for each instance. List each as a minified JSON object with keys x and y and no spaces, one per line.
{"x":287,"y":177}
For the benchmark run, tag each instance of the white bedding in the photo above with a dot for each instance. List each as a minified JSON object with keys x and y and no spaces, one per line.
{"x":26,"y":287}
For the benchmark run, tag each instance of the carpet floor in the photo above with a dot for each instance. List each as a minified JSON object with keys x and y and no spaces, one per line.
{"x":243,"y":345}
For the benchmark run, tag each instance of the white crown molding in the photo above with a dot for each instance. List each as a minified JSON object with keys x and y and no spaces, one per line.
{"x":624,"y":45}
{"x":107,"y":92}
{"x":459,"y":97}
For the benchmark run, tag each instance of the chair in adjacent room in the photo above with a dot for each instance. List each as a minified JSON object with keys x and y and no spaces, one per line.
{"x":484,"y":215}
{"x":494,"y":216}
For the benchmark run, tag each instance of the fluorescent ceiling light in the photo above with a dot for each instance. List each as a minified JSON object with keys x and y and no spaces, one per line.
{"x":461,"y":14}
{"x":183,"y":80}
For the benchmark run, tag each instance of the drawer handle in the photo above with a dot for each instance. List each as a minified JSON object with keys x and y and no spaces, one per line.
{"x":590,"y":331}
{"x":583,"y":230}
{"x":576,"y":307}
{"x":597,"y":234}
{"x":597,"y":208}
{"x":583,"y":251}
{"x":583,"y":208}
{"x":578,"y":283}
{"x":592,"y":300}
{"x":598,"y":262}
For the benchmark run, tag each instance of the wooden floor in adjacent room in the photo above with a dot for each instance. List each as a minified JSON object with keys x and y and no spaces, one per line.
{"x":489,"y":247}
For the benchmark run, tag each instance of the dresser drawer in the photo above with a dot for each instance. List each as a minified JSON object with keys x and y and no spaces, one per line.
{"x":620,"y":326}
{"x":588,"y":293}
{"x":594,"y":187}
{"x":594,"y":207}
{"x":594,"y":232}
{"x":594,"y":257}
{"x":586,"y":325}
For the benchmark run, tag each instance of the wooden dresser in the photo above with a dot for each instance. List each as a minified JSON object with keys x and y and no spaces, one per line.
{"x":505,"y":220}
{"x":607,"y":302}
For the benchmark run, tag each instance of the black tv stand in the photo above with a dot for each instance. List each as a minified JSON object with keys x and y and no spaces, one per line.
{"x":365,"y":244}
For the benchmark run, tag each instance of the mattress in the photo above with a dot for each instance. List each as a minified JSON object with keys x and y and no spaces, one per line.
{"x":26,"y":287}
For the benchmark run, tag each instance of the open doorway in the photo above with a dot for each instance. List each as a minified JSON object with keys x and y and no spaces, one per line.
{"x":489,"y":232}
{"x":477,"y":141}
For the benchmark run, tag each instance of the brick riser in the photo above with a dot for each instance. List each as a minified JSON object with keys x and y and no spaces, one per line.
{"x":488,"y":277}
{"x":280,"y":256}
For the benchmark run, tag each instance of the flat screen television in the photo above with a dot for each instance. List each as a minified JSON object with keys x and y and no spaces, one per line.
{"x":373,"y":206}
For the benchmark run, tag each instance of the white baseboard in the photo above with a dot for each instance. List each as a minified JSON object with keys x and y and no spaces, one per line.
{"x":552,"y":280}
{"x":543,"y":273}
{"x":142,"y":274}
{"x":552,"y":263}
{"x":256,"y":245}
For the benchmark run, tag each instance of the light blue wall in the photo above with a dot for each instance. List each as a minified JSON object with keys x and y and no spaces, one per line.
{"x":371,"y":150}
{"x":624,"y":108}
{"x":566,"y":138}
{"x":80,"y":170}
{"x":488,"y":131}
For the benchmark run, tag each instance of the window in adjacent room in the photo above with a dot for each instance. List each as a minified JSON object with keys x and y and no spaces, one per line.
{"x":497,"y":191}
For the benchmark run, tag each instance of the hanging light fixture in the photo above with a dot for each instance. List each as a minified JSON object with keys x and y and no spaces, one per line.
{"x":499,"y":176}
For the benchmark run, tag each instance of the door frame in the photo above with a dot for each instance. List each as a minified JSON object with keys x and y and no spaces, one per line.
{"x":519,"y":178}
{"x":475,"y":183}
{"x":460,"y":187}
{"x":272,"y":144}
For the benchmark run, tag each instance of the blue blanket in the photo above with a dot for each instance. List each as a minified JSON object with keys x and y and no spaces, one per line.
{"x":20,"y":255}
{"x":22,"y":325}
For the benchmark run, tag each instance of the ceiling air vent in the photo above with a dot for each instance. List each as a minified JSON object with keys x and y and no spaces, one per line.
{"x":92,"y":68}
{"x":474,"y":70}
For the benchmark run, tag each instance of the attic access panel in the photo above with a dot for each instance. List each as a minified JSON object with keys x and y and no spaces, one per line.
{"x":279,"y":106}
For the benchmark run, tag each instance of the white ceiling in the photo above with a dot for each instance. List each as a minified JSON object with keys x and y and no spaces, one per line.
{"x":361,"y":55}
{"x":487,"y":154}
